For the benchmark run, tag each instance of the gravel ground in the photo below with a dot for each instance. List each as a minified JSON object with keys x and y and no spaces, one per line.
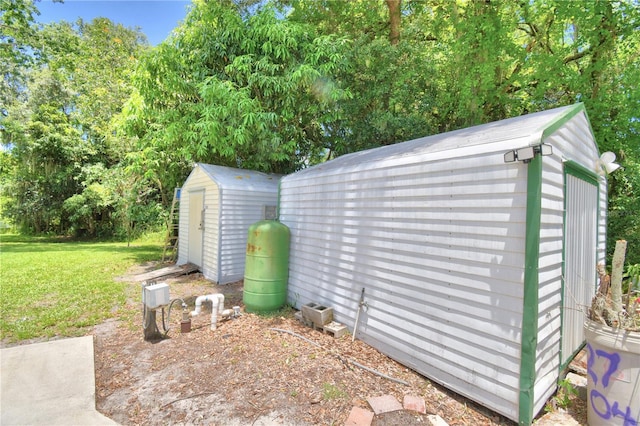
{"x":247,"y":373}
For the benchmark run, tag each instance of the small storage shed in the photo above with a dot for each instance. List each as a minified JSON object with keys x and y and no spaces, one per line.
{"x":476,"y":248}
{"x":217,"y":206}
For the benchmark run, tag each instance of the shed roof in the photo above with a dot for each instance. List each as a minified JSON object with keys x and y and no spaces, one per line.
{"x":231,"y":178}
{"x":511,"y":133}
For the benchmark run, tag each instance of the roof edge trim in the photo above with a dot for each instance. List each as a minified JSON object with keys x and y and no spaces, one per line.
{"x":563,"y":118}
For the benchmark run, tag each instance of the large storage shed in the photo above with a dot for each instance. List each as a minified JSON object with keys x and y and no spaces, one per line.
{"x":217,"y":206}
{"x":476,"y":248}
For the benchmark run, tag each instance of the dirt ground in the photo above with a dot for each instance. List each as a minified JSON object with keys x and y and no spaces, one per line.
{"x":250,"y":372}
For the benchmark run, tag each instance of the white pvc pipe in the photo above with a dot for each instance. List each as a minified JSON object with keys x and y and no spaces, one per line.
{"x":217,"y":306}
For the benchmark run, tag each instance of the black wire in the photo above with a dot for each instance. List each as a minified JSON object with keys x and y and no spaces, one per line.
{"x":165,"y":326}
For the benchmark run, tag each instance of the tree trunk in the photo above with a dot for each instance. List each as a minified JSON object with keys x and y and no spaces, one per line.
{"x":617,"y":269}
{"x":394,"y":20}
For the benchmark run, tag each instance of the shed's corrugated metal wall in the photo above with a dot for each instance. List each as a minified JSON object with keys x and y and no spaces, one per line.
{"x":549,"y":279}
{"x":240,"y":209}
{"x":435,"y":232}
{"x":573,"y":141}
{"x":439,"y":248}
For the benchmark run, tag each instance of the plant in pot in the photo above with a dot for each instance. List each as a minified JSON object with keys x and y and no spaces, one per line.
{"x":613,"y":347}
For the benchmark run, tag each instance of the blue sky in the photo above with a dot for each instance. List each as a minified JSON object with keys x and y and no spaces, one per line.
{"x":155,"y":18}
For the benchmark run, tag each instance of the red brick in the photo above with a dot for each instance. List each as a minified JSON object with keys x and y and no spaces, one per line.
{"x":414,"y":403}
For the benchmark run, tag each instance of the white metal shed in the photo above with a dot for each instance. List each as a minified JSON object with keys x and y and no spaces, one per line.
{"x":217,"y":206}
{"x":477,"y":271}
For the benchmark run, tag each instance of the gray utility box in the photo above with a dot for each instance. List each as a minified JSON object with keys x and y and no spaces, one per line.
{"x":156,"y":295}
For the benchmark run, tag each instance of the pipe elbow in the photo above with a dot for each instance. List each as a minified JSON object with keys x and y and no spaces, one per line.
{"x":220,"y":303}
{"x":217,"y":303}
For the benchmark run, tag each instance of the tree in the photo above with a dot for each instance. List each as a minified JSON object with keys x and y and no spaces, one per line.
{"x":395,"y":15}
{"x":251,"y":92}
{"x":391,"y":78}
{"x":17,"y":40}
{"x":59,"y":131}
{"x":471,"y":62}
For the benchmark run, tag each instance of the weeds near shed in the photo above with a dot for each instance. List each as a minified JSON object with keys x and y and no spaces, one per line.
{"x":562,"y":399}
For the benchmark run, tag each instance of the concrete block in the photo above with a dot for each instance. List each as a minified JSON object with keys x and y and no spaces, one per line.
{"x":436,"y":420}
{"x":319,"y":315}
{"x":579,"y":383}
{"x":359,"y":417}
{"x":298,"y":315}
{"x":336,"y":329}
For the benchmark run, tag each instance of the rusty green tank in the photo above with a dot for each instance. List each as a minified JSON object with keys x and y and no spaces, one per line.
{"x":266,"y":267}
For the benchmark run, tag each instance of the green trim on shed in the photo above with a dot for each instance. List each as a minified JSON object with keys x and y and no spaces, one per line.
{"x":529,"y":343}
{"x":562,"y":119}
{"x":577,"y":170}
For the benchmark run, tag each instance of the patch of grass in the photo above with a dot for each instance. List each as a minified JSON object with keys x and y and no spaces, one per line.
{"x":59,"y":287}
{"x":331,"y":391}
{"x":286,"y":311}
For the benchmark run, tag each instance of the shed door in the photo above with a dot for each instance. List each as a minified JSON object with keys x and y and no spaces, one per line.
{"x":196,"y":227}
{"x":581,"y":227}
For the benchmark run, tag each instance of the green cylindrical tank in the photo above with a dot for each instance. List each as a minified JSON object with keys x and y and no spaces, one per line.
{"x":266,"y":267}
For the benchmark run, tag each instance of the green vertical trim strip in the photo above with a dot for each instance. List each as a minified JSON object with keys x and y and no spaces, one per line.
{"x":531,"y":283}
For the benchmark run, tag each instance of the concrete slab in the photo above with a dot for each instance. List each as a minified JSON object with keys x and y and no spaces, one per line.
{"x":50,"y":383}
{"x":436,"y":420}
{"x":579,"y":383}
{"x":383,"y":404}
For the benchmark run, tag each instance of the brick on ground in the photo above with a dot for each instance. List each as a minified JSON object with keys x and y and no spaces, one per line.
{"x":359,"y":417}
{"x":414,"y":403}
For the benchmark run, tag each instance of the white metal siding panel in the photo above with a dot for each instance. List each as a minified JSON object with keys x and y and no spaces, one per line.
{"x":439,"y":247}
{"x":573,"y":141}
{"x":240,"y":209}
{"x":550,"y":280}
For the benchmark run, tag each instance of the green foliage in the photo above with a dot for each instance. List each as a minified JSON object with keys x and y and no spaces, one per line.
{"x":253,"y":93}
{"x":632,"y":283}
{"x":17,"y":40}
{"x":562,"y":398}
{"x":59,"y":288}
{"x":62,"y":129}
{"x":246,"y":84}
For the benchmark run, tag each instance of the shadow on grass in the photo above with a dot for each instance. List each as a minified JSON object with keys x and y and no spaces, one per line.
{"x":12,"y":243}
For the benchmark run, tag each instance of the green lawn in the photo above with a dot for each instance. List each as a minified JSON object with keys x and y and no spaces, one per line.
{"x":55,"y":287}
